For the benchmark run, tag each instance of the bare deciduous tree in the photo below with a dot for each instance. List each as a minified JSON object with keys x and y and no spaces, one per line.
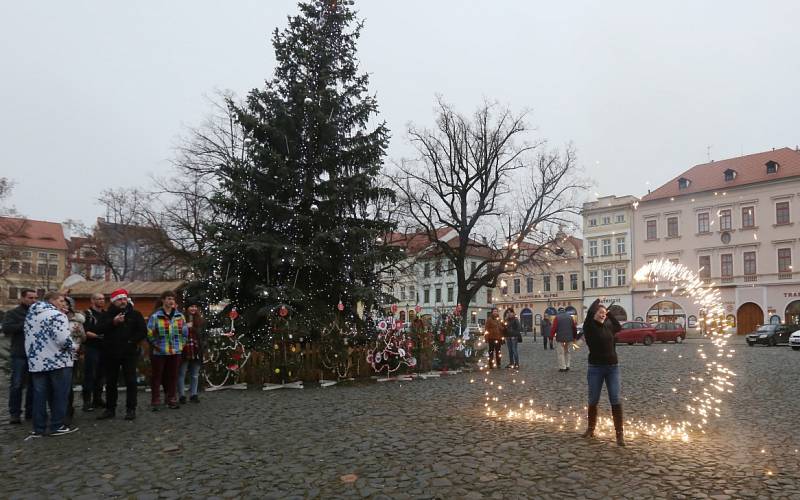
{"x":505,"y":197}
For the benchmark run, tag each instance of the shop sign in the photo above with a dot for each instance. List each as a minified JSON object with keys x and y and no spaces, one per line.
{"x":791,"y":294}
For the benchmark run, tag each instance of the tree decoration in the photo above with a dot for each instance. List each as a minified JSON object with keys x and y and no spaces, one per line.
{"x":389,"y":353}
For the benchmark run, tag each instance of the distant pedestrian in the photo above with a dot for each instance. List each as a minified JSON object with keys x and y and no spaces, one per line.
{"x":599,"y":329}
{"x":93,"y":367}
{"x":565,"y":332}
{"x":494,"y":337}
{"x":122,"y":328}
{"x":513,"y":337}
{"x":14,"y":327}
{"x":51,"y":351}
{"x":167,"y":334}
{"x":546,"y":327}
{"x":192,"y":354}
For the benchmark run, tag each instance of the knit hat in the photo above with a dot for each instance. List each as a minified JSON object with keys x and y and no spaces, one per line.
{"x":119,"y":294}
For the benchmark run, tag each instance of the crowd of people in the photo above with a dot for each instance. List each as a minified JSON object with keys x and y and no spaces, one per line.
{"x":49,"y":336}
{"x":599,"y":330}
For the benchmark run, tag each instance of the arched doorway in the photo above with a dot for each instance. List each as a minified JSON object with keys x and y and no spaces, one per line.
{"x":619,"y":312}
{"x":792,"y":316}
{"x":403,"y":316}
{"x":748,"y":317}
{"x":526,"y":318}
{"x":666,"y":311}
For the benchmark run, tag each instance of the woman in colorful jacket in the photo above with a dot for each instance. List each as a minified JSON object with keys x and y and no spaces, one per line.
{"x":167,"y":334}
{"x":192,"y":355}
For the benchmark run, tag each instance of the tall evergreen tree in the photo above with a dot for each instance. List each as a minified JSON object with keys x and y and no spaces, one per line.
{"x":296,"y":224}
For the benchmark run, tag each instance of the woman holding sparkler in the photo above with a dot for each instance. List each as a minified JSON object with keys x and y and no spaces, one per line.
{"x":599,"y":330}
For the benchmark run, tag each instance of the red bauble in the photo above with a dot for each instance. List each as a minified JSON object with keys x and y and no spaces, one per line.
{"x":283,"y":311}
{"x":233,"y":314}
{"x":340,"y":306}
{"x":394,"y":308}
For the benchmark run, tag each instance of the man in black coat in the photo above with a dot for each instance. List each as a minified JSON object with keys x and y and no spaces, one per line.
{"x":14,"y":327}
{"x":123,"y":328}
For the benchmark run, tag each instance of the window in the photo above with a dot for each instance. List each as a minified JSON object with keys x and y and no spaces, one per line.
{"x":592,"y":222}
{"x":748,"y":217}
{"x":449,"y":268}
{"x":704,"y":264}
{"x":592,"y":248}
{"x":702,"y":223}
{"x":607,"y":246}
{"x":517,"y":285}
{"x":412,"y":294}
{"x":529,"y":284}
{"x":749,"y":263}
{"x":606,"y":220}
{"x":620,"y":218}
{"x":53,"y":256}
{"x":52,"y":270}
{"x":427,"y":270}
{"x":652,"y":231}
{"x":98,"y":271}
{"x":560,"y":282}
{"x":546,"y":283}
{"x":450,"y":294}
{"x":730,"y":175}
{"x":573,"y":282}
{"x":75,"y":268}
{"x":782,"y":212}
{"x":27,"y":268}
{"x":672,"y":227}
{"x":403,"y":292}
{"x":772,"y":167}
{"x":438,"y":295}
{"x":426,"y":295}
{"x":489,"y":295}
{"x":13,"y":268}
{"x":504,"y":288}
{"x":620,"y":246}
{"x":437,"y":268}
{"x":784,"y":260}
{"x":13,"y":293}
{"x":43,"y":255}
{"x":606,"y":278}
{"x":683,"y":183}
{"x":621,"y":276}
{"x":592,"y":279}
{"x":726,"y":265}
{"x":41,"y":269}
{"x":725,"y":220}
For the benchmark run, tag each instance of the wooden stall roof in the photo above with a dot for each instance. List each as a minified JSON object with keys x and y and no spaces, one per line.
{"x":134,"y":288}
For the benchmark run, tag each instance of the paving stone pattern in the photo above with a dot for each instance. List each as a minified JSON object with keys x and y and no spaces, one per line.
{"x":429,"y":439}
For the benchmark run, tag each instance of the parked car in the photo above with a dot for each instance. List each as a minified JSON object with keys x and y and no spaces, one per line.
{"x":794,"y":340}
{"x":769,"y":335}
{"x":635,"y":332}
{"x":670,"y":332}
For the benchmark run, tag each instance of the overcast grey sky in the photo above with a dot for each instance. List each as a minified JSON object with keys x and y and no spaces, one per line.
{"x":96,"y":93}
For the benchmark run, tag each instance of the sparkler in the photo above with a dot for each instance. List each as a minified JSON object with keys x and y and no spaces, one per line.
{"x":704,"y":389}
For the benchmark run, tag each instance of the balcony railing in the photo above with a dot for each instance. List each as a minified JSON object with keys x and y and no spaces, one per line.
{"x":785,"y":276}
{"x":749,"y":278}
{"x":726,"y":279}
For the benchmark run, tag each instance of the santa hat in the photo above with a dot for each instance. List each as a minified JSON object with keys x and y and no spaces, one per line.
{"x":119,"y":294}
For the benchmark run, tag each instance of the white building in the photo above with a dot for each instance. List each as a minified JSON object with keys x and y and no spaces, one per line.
{"x":608,"y":238}
{"x":427,"y":281}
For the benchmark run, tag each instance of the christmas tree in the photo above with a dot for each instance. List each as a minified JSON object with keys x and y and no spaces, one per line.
{"x":296,"y":222}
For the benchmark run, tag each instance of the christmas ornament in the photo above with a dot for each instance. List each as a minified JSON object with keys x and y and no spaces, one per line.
{"x":340,"y":306}
{"x":283,"y":311}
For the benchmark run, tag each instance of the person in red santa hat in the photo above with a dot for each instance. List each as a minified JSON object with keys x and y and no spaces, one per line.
{"x":123,"y":328}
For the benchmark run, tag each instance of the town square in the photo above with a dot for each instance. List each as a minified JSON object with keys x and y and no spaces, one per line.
{"x":350,"y":249}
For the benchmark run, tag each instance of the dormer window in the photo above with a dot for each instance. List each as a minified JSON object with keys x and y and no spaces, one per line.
{"x":730,"y":175}
{"x":683,"y":183}
{"x":772,"y":167}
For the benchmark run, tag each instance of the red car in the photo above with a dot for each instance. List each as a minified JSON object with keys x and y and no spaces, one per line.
{"x":636,"y":332}
{"x":670,"y":332}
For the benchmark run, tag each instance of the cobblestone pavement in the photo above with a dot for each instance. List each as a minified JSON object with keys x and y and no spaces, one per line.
{"x":429,"y":439}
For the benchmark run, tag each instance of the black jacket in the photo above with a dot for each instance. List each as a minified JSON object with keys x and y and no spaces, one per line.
{"x":600,"y":338}
{"x":14,"y":327}
{"x":91,"y":325}
{"x":122,"y":340}
{"x":513,"y":328}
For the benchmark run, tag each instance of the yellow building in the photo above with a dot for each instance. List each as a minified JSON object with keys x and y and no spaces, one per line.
{"x":33,"y":255}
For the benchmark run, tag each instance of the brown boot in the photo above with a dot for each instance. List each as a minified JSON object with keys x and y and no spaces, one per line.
{"x":616,"y":412}
{"x":592,"y":422}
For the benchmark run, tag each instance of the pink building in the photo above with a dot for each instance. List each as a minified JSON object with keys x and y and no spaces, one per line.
{"x":736,"y":222}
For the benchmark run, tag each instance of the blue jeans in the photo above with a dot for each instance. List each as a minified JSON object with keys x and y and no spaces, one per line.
{"x":50,"y":387}
{"x":513,"y":350}
{"x":598,"y":374}
{"x":194,"y":373}
{"x":93,"y":374}
{"x":20,"y":380}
